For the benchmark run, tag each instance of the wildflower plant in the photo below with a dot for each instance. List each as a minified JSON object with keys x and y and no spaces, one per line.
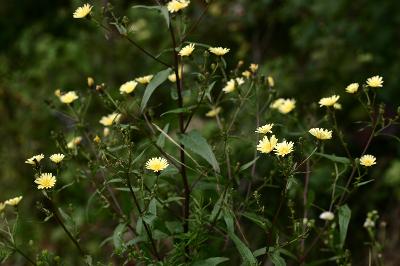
{"x":214,"y":166}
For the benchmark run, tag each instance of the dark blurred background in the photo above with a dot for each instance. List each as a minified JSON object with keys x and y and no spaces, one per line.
{"x":311,"y":47}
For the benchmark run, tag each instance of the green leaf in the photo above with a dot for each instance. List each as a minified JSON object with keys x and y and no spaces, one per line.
{"x":158,"y":79}
{"x":259,"y":220}
{"x":247,"y":256}
{"x":162,"y":9}
{"x":334,"y":158}
{"x":276,"y":258}
{"x":161,"y":138}
{"x":210,"y":261}
{"x":344,"y":219}
{"x":117,"y":236}
{"x":179,"y":110}
{"x":151,"y":214}
{"x":247,"y":165}
{"x":197,"y":144}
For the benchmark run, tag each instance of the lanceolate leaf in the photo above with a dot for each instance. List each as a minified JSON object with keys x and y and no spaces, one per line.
{"x":158,"y":79}
{"x":162,"y":9}
{"x":197,"y":144}
{"x":247,"y":256}
{"x":344,"y":219}
{"x":210,"y":261}
{"x":334,"y":158}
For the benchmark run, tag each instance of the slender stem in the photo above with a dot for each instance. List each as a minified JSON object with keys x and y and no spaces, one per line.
{"x":14,"y":246}
{"x":140,"y":48}
{"x":179,"y":88}
{"x":135,"y":200}
{"x":305,"y":197}
{"x":60,"y":222}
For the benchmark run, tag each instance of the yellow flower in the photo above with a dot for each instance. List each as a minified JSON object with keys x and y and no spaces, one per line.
{"x":213,"y":112}
{"x":45,"y":181}
{"x":327,"y":216}
{"x":68,"y":97}
{"x":82,"y":11}
{"x":106,"y":131}
{"x":97,"y":139}
{"x":328,"y":101}
{"x":367,"y":160}
{"x":156,"y":164}
{"x":284,"y":106}
{"x":278,"y":102}
{"x":337,"y":106}
{"x":172,"y":77}
{"x":57,"y":157}
{"x":187,"y":50}
{"x":375,"y":81}
{"x":218,"y":50}
{"x":270,"y":81}
{"x":267,"y":145}
{"x":73,"y":142}
{"x":13,"y":201}
{"x":35,"y":159}
{"x":352,"y":88}
{"x":230,"y":86}
{"x":321,"y":133}
{"x":57,"y":92}
{"x":239,"y":81}
{"x":90,"y":81}
{"x":284,"y":148}
{"x":2,"y":206}
{"x":176,"y":5}
{"x":254,"y":68}
{"x":110,"y":119}
{"x":265,"y":129}
{"x":246,"y":74}
{"x":287,"y":106}
{"x":128,"y":87}
{"x":144,"y":79}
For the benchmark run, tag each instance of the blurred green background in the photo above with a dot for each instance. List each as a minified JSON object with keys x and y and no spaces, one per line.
{"x":312,"y":48}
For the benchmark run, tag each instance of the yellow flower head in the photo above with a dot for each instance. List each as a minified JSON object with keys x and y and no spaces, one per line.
{"x":218,"y":50}
{"x":128,"y":87}
{"x":35,"y":159}
{"x":97,"y":139}
{"x":337,"y":106}
{"x":82,"y":11}
{"x":57,"y":92}
{"x":45,"y":181}
{"x":327,"y":216}
{"x":2,"y":206}
{"x":352,"y":88}
{"x":144,"y":79}
{"x":90,"y":81}
{"x":213,"y":112}
{"x":13,"y":201}
{"x":284,"y":148}
{"x":367,"y":160}
{"x":156,"y":164}
{"x":187,"y":50}
{"x":284,"y":106}
{"x":57,"y":157}
{"x":265,"y":129}
{"x":176,"y":5}
{"x":246,"y":74}
{"x":328,"y":101}
{"x":110,"y":119}
{"x":287,"y":106}
{"x":69,"y":97}
{"x":74,"y":142}
{"x":230,"y":86}
{"x":267,"y":145}
{"x":375,"y":82}
{"x":253,"y":67}
{"x":106,"y":131}
{"x":321,"y":133}
{"x":270,"y":81}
